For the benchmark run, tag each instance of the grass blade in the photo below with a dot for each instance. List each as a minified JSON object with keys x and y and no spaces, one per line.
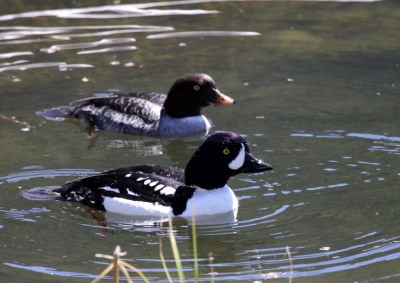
{"x":125,"y":264}
{"x":291,"y":264}
{"x":125,"y":272}
{"x":195,"y":255}
{"x":211,"y":258}
{"x":104,"y":273}
{"x":115,"y":264}
{"x":175,"y":251}
{"x":163,"y":260}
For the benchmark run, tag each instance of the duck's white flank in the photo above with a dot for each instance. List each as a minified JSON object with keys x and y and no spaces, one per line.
{"x":205,"y":202}
{"x":140,"y":208}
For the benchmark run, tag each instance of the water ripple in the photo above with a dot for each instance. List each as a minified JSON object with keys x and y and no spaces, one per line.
{"x":119,"y":31}
{"x":16,"y":177}
{"x":202,"y":33}
{"x":338,"y":135}
{"x":111,"y":49}
{"x":32,"y":66}
{"x":106,"y":12}
{"x":23,"y":33}
{"x":51,"y":271}
{"x":74,"y":28}
{"x":19,"y":32}
{"x":14,"y":54}
{"x":28,"y":41}
{"x":307,"y":264}
{"x":262,"y":219}
{"x":59,"y":47}
{"x":13,"y":63}
{"x":64,"y":67}
{"x":373,"y":136}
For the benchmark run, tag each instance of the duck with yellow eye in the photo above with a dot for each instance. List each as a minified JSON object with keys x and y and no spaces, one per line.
{"x":147,"y":113}
{"x":156,"y":191}
{"x":223,"y":157}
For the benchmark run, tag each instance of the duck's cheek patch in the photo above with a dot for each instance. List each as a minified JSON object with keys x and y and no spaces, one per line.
{"x":239,"y":160}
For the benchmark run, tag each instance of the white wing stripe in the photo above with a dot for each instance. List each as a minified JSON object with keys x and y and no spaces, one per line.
{"x":159,"y":187}
{"x":168,"y":191}
{"x":109,"y":189}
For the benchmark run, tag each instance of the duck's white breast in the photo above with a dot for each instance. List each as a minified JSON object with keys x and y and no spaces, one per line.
{"x":183,"y":126}
{"x":211,"y":202}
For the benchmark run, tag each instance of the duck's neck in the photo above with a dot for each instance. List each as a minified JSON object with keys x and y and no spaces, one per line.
{"x":177,"y":109}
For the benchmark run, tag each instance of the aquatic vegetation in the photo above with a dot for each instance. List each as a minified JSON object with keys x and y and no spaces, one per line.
{"x":117,"y":263}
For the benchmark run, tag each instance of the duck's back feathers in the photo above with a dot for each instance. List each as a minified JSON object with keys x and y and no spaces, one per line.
{"x":135,"y":113}
{"x":120,"y":113}
{"x":153,"y":97}
{"x":151,"y":184}
{"x":164,"y":171}
{"x":156,"y":98}
{"x":141,"y":190}
{"x":144,"y":105}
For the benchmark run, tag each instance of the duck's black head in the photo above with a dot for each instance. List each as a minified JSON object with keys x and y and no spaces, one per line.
{"x":189,"y":94}
{"x":220,"y":157}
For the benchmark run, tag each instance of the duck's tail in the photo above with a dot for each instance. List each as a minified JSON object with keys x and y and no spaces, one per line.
{"x":57,"y":113}
{"x":43,"y":193}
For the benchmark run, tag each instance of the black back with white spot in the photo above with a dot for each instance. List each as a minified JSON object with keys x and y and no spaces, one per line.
{"x":169,"y":186}
{"x":155,"y":184}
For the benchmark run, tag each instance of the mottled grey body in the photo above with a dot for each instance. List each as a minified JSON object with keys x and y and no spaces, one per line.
{"x":153,"y":114}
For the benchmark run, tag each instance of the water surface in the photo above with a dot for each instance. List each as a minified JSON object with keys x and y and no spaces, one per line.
{"x":316,"y":85}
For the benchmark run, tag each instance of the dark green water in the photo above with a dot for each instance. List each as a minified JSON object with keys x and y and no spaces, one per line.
{"x":317,"y":94}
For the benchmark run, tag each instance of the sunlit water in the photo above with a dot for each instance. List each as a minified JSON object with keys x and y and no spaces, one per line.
{"x":316,"y":85}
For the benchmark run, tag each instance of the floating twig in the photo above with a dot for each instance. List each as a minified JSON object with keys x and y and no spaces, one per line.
{"x":12,"y":119}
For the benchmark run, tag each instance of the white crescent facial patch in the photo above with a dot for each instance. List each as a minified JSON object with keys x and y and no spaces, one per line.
{"x":239,"y":160}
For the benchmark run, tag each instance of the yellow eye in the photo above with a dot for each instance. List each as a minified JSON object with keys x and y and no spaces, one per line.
{"x":196,"y":87}
{"x":226,"y":151}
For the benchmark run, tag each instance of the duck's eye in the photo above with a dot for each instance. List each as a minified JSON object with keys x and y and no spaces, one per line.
{"x":196,"y":87}
{"x":226,"y":151}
